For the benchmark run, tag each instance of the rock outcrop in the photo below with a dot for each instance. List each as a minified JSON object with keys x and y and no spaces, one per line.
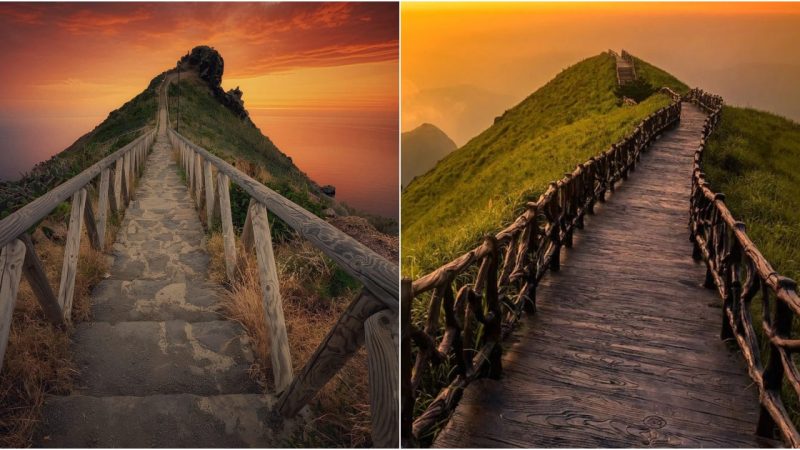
{"x":209,"y":65}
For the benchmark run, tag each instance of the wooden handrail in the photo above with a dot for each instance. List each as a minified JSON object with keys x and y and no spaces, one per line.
{"x":29,"y":215}
{"x":375,"y":272}
{"x":18,"y":255}
{"x":739,"y":272}
{"x":485,"y":291}
{"x":370,"y":317}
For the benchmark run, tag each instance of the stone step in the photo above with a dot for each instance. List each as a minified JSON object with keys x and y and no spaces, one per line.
{"x":171,"y":357}
{"x":155,"y":300}
{"x":166,"y":421}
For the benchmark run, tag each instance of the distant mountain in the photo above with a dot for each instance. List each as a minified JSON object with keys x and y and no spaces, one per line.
{"x":480,"y":187}
{"x":421,"y":148}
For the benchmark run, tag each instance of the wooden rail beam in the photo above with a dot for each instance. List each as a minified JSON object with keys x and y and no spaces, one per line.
{"x":29,"y":215}
{"x":375,"y":272}
{"x":342,"y":341}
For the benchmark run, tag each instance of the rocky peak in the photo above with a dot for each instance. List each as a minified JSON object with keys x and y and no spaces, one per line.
{"x":209,"y":65}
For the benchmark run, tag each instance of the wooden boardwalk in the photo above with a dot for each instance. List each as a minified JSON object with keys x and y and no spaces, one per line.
{"x":624,"y":350}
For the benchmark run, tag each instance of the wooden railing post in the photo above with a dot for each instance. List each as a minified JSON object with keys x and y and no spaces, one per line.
{"x":198,"y":182}
{"x":102,"y":207}
{"x":406,"y":392}
{"x":71,"y":250}
{"x":40,"y":285}
{"x":382,"y":344}
{"x":116,"y":204}
{"x":273,"y":306}
{"x":209,"y":191}
{"x":228,"y":235}
{"x":11,"y":259}
{"x":333,"y":352}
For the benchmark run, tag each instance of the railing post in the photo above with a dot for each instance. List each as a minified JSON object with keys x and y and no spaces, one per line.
{"x":209,"y":188}
{"x":273,"y":306}
{"x":333,"y":352}
{"x":11,"y":259}
{"x":227,"y":225}
{"x":406,"y":393}
{"x":102,"y":207}
{"x":116,"y":205}
{"x":198,"y":182}
{"x":71,"y":250}
{"x":381,"y":341}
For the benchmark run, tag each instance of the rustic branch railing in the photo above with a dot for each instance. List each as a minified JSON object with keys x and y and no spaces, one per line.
{"x":740,"y":272}
{"x":484,"y":292}
{"x":114,"y":177}
{"x":370,"y":319}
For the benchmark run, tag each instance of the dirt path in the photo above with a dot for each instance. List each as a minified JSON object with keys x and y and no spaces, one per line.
{"x":159,"y":366}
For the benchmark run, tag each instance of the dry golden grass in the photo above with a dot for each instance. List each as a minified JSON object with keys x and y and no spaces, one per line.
{"x":38,"y":360}
{"x":340,"y":413}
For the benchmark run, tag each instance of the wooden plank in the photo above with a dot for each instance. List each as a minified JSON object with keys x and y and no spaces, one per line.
{"x":620,"y":353}
{"x":209,"y":192}
{"x":273,"y":306}
{"x":342,"y":341}
{"x":379,"y":275}
{"x":11,"y":259}
{"x":69,"y":269}
{"x":30,"y":214}
{"x":228,"y":235}
{"x":381,"y":341}
{"x":40,"y":285}
{"x":102,"y":207}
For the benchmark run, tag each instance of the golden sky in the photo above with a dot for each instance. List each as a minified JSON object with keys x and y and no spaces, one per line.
{"x":465,"y":63}
{"x":86,"y":58}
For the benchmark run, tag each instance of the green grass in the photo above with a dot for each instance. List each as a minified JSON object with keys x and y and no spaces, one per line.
{"x":480,"y":187}
{"x":752,"y":157}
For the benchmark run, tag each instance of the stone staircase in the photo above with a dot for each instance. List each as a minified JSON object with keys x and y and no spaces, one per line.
{"x":159,"y":366}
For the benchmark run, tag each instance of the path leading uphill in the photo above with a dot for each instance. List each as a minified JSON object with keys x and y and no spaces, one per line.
{"x":159,"y":367}
{"x":624,"y":349}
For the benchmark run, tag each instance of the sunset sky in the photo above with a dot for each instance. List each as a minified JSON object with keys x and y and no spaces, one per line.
{"x":66,"y":66}
{"x":464,"y":64}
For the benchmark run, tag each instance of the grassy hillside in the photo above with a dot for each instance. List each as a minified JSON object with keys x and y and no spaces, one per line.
{"x":753,"y":158}
{"x":478,"y":188}
{"x":421,"y":148}
{"x":206,"y":122}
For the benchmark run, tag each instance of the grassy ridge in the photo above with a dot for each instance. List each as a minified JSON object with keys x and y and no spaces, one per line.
{"x":479,"y":187}
{"x":206,"y":122}
{"x":753,"y":158}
